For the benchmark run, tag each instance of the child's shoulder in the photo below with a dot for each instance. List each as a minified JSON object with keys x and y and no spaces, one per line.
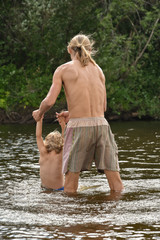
{"x":51,"y":154}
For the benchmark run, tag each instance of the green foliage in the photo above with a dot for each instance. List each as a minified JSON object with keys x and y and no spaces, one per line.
{"x":20,"y":88}
{"x":34,"y":36}
{"x":128,"y":58}
{"x":138,"y":94}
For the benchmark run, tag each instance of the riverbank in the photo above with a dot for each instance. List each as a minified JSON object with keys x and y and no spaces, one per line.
{"x":25,"y":116}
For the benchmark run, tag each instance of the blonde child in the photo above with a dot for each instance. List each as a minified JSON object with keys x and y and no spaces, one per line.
{"x":51,"y":157}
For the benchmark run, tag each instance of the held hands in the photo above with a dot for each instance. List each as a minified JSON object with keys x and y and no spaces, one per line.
{"x":64,"y":115}
{"x":36,"y":115}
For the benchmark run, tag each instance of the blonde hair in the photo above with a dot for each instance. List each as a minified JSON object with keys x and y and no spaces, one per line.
{"x":83,"y":47}
{"x":54,"y":141}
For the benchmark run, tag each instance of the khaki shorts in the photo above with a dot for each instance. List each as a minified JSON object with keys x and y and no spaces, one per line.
{"x":89,"y":140}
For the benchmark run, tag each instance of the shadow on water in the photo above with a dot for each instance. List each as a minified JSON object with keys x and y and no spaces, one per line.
{"x":28,"y":212}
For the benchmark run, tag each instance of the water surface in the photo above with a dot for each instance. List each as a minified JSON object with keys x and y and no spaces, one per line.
{"x":27,"y":212}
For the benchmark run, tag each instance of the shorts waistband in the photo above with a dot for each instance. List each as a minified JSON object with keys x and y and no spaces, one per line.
{"x":87,"y":122}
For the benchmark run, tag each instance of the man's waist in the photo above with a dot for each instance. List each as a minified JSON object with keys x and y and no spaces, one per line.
{"x":87,"y":122}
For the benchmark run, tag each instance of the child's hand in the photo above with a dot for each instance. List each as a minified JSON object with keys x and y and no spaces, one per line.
{"x":61,"y":121}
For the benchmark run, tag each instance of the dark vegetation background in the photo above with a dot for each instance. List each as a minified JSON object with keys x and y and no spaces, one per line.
{"x":33,"y":40}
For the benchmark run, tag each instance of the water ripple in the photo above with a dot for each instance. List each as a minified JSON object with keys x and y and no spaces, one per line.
{"x":27,"y":212}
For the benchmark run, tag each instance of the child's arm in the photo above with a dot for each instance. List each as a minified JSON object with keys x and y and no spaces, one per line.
{"x":39,"y":138}
{"x":62,"y":123}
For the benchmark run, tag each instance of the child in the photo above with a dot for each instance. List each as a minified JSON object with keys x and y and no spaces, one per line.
{"x":51,"y":157}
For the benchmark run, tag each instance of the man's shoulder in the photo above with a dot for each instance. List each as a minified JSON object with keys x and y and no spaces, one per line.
{"x":100,"y":72}
{"x":68,"y":71}
{"x":65,"y":66}
{"x":62,"y":68}
{"x":99,"y":68}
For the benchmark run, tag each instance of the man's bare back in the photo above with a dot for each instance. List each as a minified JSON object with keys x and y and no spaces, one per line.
{"x":85,"y":89}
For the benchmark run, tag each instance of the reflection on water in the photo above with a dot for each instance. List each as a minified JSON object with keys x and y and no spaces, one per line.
{"x":27,"y":212}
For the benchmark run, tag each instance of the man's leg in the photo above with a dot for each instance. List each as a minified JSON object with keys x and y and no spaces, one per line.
{"x":71,"y":182}
{"x":114,"y":180}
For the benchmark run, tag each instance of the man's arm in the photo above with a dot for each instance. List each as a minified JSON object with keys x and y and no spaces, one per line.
{"x":102,"y":76}
{"x":105,"y":100}
{"x":51,"y":97}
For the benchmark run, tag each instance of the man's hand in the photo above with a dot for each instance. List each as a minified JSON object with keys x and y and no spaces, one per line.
{"x":64,"y":114}
{"x":36,"y":115}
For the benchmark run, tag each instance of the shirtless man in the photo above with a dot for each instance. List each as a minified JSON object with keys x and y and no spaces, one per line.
{"x":88,"y":134}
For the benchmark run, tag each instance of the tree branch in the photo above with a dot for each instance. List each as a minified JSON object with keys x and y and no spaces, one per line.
{"x":141,"y":53}
{"x":148,"y":41}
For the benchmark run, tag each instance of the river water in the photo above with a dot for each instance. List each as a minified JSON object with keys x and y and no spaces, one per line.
{"x":27,"y":212}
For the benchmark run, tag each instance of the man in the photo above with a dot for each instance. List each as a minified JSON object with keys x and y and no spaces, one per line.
{"x":88,"y":135}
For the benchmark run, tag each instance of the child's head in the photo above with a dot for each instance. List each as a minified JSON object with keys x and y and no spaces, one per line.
{"x":54,"y":141}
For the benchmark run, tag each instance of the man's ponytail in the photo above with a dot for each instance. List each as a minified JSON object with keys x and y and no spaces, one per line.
{"x":83,"y":47}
